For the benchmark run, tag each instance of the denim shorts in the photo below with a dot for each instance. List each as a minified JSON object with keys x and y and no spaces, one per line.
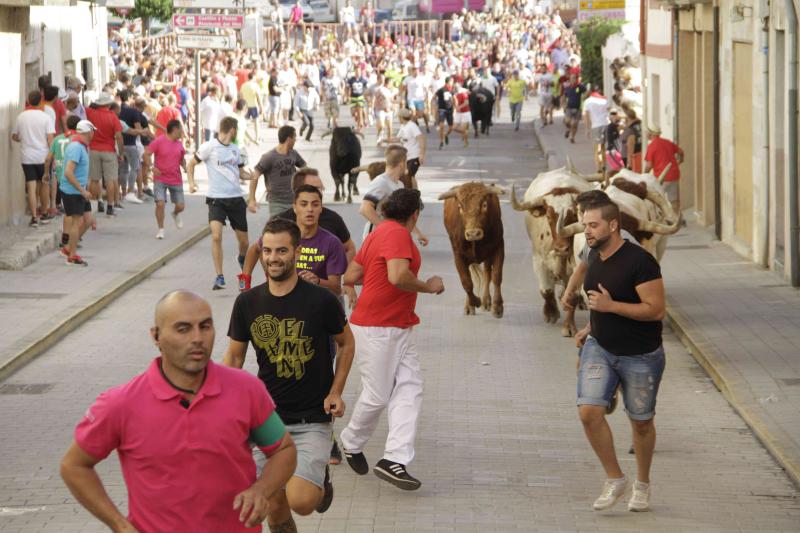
{"x":313,"y":443}
{"x":175,"y":192}
{"x":640,"y":375}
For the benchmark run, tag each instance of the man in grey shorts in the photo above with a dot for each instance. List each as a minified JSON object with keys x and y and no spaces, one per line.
{"x":291,"y":323}
{"x":169,"y":154}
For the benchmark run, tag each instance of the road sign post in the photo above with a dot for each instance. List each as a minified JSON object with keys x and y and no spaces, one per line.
{"x":206,"y":41}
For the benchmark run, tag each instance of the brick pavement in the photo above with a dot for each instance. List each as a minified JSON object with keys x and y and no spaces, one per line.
{"x":500,"y":447}
{"x":741,"y":322}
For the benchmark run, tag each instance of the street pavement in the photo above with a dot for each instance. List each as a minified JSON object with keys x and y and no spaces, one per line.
{"x":499,"y":445}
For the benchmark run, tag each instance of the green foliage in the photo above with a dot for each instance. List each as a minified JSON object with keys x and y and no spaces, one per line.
{"x":152,"y":9}
{"x":592,"y":35}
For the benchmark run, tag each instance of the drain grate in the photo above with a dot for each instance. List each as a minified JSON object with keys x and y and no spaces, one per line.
{"x":25,"y":388}
{"x":31,"y":295}
{"x":790,"y":382}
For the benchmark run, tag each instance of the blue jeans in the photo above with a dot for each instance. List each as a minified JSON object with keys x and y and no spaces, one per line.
{"x":516,"y":113}
{"x":640,"y":376}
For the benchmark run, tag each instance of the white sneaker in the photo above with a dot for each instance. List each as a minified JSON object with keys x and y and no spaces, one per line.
{"x":132,"y":198}
{"x":160,"y":234}
{"x":178,"y":221}
{"x":640,"y":499}
{"x":612,"y":492}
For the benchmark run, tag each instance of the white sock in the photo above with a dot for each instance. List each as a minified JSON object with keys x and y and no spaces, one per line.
{"x":641,"y":485}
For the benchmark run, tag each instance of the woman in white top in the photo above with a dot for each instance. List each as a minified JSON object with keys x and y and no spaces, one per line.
{"x":413,"y":140}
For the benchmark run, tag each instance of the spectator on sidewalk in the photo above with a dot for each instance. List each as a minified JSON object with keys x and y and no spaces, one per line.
{"x":35,"y":130}
{"x":595,"y":116}
{"x":169,"y":156}
{"x":74,"y":193}
{"x":631,"y":140}
{"x":388,"y":264}
{"x":106,"y":152}
{"x":660,"y":153}
{"x":152,"y":421}
{"x":307,"y":327}
{"x":277,"y":166}
{"x":225,"y":167}
{"x":613,"y":144}
{"x":135,"y":118}
{"x":54,"y":169}
{"x":573,"y":97}
{"x":621,"y":345}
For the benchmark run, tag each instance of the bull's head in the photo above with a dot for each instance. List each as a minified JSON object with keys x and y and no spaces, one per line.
{"x":559,"y":207}
{"x":474,"y":206}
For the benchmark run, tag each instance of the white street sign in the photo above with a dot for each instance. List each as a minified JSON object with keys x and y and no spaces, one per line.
{"x":218,"y":42}
{"x":207,"y":21}
{"x":213,"y":4}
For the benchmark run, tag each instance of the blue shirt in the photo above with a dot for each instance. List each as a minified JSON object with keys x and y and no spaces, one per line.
{"x":223,"y":162}
{"x":76,"y":152}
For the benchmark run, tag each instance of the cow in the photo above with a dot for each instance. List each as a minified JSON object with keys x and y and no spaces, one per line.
{"x":475,"y":227}
{"x":376,"y":168}
{"x":552,"y":196}
{"x":481,"y":104}
{"x":345,"y":155}
{"x":645,"y":212}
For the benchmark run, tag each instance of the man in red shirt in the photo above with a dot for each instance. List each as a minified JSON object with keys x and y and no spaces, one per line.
{"x":660,"y":153}
{"x":167,"y":113}
{"x":182,"y":432}
{"x":105,"y":151}
{"x":382,"y":323}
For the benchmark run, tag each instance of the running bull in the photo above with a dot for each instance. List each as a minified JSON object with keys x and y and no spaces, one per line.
{"x":345,"y":156}
{"x":475,"y":227}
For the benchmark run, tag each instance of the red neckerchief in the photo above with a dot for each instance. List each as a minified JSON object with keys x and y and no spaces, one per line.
{"x":597,"y":95}
{"x":78,"y":138}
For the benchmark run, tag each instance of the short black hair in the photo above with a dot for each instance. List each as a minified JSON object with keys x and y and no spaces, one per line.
{"x":241,"y":103}
{"x":587,"y":199}
{"x":281,"y":225}
{"x":72,"y":122}
{"x":172,"y":124}
{"x":50,"y":93}
{"x":608,"y":210}
{"x":307,"y":188}
{"x":401,"y":204}
{"x":300,"y":176}
{"x":285,"y":132}
{"x":124,"y":95}
{"x":34,"y":98}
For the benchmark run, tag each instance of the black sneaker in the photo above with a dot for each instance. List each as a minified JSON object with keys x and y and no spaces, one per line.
{"x":100,"y":206}
{"x":357,"y":462}
{"x":34,"y":223}
{"x":336,"y":454}
{"x":327,"y":492}
{"x":396,"y":474}
{"x":149,"y":192}
{"x":110,"y":211}
{"x":446,"y":139}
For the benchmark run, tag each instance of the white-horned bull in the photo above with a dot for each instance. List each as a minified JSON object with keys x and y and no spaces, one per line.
{"x":475,"y":227}
{"x":550,"y":197}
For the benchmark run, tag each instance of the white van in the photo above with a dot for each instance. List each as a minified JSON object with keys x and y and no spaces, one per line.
{"x":406,"y":10}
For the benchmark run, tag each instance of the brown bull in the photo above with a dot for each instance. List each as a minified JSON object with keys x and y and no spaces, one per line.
{"x":475,"y":227}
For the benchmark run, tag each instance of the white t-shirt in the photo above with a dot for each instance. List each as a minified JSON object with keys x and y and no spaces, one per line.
{"x":545,"y":83}
{"x":597,"y":108}
{"x":408,"y":134}
{"x":32,"y":127}
{"x":377,"y":191}
{"x":222,"y":163}
{"x":348,"y":14}
{"x":436,"y":84}
{"x":50,"y":113}
{"x":415,"y":87}
{"x":490,"y":83}
{"x":210,"y":113}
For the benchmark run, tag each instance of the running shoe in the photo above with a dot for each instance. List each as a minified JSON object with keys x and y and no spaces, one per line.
{"x":76,"y":260}
{"x":446,"y":139}
{"x":327,"y":492}
{"x":396,"y":474}
{"x":110,"y":211}
{"x":119,"y":206}
{"x":357,"y":462}
{"x":336,"y":454}
{"x":64,"y":251}
{"x":34,"y":223}
{"x":160,"y":234}
{"x":640,"y":499}
{"x":132,"y":198}
{"x":149,"y":192}
{"x":45,"y":218}
{"x":241,"y":262}
{"x":613,"y":490}
{"x":100,"y":206}
{"x":219,"y":283}
{"x":178,"y":220}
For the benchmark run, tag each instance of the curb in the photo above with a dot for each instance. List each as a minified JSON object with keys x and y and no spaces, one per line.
{"x":120,"y":285}
{"x":716,"y":371}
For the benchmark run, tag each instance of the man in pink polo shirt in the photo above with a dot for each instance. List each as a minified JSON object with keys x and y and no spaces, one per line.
{"x":181,"y":431}
{"x":167,"y":178}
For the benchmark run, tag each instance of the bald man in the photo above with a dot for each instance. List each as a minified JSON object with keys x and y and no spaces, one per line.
{"x":182,"y":431}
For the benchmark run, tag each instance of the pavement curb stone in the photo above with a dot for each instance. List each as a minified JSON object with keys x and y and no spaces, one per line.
{"x":772,"y":438}
{"x":75,"y":319}
{"x":31,"y":247}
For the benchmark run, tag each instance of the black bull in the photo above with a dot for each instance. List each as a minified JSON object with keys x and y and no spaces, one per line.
{"x":345,"y":156}
{"x":481,"y":104}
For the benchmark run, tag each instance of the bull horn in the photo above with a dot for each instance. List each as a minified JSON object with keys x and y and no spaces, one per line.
{"x":660,"y":229}
{"x":495,"y":189}
{"x":664,"y":173}
{"x":524,"y":206}
{"x":661,"y":201}
{"x":362,"y":168}
{"x":569,"y":231}
{"x":598,"y":176}
{"x":449,"y":194}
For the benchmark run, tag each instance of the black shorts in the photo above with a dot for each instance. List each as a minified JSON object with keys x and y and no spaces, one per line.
{"x":446,"y":115}
{"x":75,"y":205}
{"x":233,"y":209}
{"x":412,"y":165}
{"x":33,"y":172}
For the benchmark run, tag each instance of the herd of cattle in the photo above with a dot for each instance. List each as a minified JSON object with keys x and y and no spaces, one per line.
{"x":474,"y":224}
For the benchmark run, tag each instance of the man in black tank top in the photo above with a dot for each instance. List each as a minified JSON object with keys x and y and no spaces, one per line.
{"x":621,"y":345}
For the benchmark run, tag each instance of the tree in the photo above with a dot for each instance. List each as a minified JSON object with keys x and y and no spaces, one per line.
{"x":152,"y":9}
{"x":592,"y":34}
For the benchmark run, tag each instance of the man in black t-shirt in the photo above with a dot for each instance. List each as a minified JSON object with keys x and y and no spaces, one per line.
{"x":573,"y":95}
{"x":621,"y":346}
{"x":290,"y":324}
{"x":444,"y":103}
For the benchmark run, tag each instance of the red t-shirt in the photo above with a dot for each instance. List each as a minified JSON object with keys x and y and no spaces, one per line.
{"x":381,"y":304}
{"x":107,"y":124}
{"x":242,"y":76}
{"x":462,"y":101}
{"x":660,"y":153}
{"x":61,"y":111}
{"x":164,"y":115}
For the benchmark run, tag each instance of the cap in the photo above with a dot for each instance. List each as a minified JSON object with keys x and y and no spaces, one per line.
{"x":104,"y":99}
{"x":84,"y":126}
{"x":653,"y":129}
{"x":405,"y":114}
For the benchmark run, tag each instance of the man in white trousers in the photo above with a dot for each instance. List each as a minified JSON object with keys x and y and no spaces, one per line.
{"x":382,"y":322}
